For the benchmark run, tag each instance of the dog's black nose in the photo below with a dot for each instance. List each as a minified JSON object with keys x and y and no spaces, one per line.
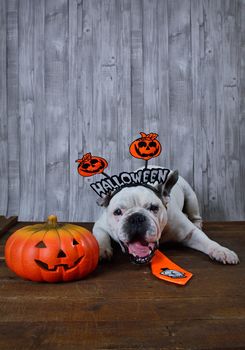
{"x":136,"y":227}
{"x":137,"y":219}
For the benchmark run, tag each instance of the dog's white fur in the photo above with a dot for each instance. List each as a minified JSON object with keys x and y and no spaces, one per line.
{"x":178,"y":219}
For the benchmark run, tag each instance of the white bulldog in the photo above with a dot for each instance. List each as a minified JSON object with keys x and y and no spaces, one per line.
{"x":138,"y":218}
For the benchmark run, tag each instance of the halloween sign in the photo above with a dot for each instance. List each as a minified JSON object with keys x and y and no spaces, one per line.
{"x":125,"y":179}
{"x":52,"y":252}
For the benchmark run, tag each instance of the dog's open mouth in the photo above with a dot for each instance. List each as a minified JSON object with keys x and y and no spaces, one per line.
{"x":141,"y":252}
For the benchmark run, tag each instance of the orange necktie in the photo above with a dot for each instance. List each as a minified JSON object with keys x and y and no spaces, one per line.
{"x":167,"y":270}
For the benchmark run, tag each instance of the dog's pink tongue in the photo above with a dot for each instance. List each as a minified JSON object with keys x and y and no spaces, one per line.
{"x":139,"y":249}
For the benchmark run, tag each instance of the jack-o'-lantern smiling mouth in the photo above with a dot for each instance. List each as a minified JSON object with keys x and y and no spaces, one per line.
{"x":66,"y":267}
{"x":146,"y":154}
{"x":89,"y":170}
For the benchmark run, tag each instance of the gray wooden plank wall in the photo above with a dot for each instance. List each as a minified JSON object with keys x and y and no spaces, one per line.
{"x":89,"y":75}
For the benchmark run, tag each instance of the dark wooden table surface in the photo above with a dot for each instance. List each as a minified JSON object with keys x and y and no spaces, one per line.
{"x":123,"y":306}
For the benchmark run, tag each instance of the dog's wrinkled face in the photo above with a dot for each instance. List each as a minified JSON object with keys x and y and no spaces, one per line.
{"x":136,"y":217}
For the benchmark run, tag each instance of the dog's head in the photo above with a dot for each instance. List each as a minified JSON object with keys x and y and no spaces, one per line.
{"x":136,"y":217}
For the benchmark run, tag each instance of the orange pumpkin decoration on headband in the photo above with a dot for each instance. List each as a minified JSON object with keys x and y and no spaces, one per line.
{"x":146,"y":147}
{"x":91,"y":165}
{"x":52,"y":252}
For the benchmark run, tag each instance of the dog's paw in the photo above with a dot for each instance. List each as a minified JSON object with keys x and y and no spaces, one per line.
{"x":223,"y":255}
{"x":106,"y":253}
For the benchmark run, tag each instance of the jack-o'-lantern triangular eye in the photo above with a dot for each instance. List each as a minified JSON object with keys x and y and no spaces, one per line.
{"x":74,"y":242}
{"x":40,"y":244}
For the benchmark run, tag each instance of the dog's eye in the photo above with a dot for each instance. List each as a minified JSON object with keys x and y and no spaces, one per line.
{"x":117,"y":212}
{"x":153,"y":207}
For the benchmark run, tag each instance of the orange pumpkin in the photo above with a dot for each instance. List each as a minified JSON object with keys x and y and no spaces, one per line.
{"x":146,"y":147}
{"x":52,"y":252}
{"x":90,"y":165}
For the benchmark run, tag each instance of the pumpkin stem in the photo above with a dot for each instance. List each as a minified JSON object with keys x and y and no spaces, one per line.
{"x":52,"y":220}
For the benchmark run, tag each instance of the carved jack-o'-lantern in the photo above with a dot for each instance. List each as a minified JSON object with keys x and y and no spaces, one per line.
{"x":91,"y":165}
{"x":146,"y":147}
{"x":52,"y":252}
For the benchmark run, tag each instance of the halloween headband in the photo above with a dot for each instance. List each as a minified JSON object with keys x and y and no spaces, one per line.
{"x":145,"y":147}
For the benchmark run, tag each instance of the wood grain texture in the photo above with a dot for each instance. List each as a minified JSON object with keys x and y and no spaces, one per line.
{"x":97,"y":312}
{"x":241,"y":90}
{"x":231,"y":52}
{"x":200,"y":182}
{"x":109,"y":64}
{"x":83,"y":76}
{"x":180,"y":93}
{"x":26,"y":110}
{"x":150,"y":66}
{"x":85,"y":97}
{"x":13,"y":107}
{"x":137,"y":80}
{"x":213,"y":106}
{"x":56,"y":100}
{"x":73,"y":109}
{"x":3,"y":110}
{"x":163,"y":82}
{"x":39,"y":111}
{"x":124,"y":85}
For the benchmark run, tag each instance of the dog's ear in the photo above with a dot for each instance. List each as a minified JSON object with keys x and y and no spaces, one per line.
{"x":164,"y":190}
{"x":104,"y":202}
{"x":171,"y":181}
